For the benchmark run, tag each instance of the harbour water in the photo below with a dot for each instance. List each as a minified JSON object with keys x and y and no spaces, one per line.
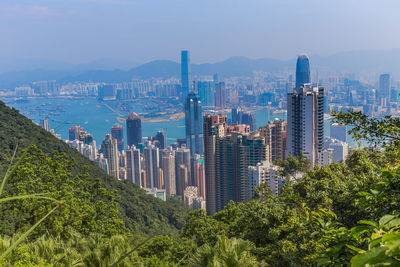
{"x":97,"y":118}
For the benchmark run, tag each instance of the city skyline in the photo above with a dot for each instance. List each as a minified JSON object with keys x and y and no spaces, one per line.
{"x":69,"y":30}
{"x":199,"y":133}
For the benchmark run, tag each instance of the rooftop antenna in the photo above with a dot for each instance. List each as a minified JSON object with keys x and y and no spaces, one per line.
{"x":317,"y":78}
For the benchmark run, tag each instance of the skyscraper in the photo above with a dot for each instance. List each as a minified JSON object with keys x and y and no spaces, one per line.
{"x":213,"y":127}
{"x":182,"y":180}
{"x":235,"y":152}
{"x":118,"y":134}
{"x":384,"y":88}
{"x":45,"y":124}
{"x":305,"y":115}
{"x":168,"y":168}
{"x":220,"y":94}
{"x":185,"y":72}
{"x":75,"y":132}
{"x":275,"y":134}
{"x":134,"y":165}
{"x":199,"y":175}
{"x":161,"y":138}
{"x":133,"y":129}
{"x":302,"y":71}
{"x":152,"y":159}
{"x":235,"y":115}
{"x":182,"y":158}
{"x":109,"y":148}
{"x":193,"y":124}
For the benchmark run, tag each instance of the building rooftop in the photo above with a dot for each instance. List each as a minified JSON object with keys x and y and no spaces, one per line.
{"x":133,"y":116}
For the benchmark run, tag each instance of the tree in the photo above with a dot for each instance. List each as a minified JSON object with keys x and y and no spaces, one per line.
{"x":377,"y":131}
{"x":165,"y":249}
{"x":85,"y":206}
{"x":202,"y":228}
{"x":293,"y":166}
{"x":226,"y":252}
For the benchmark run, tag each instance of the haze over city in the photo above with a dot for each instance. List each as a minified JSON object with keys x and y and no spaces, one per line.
{"x":199,"y":133}
{"x":135,"y":32}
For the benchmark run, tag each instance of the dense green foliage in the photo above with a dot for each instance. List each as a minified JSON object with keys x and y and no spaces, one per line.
{"x":377,"y":131}
{"x":85,"y":206}
{"x":141,"y":213}
{"x":98,"y":250}
{"x":225,"y":252}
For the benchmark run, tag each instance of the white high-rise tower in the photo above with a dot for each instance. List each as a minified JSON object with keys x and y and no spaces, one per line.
{"x":305,"y":115}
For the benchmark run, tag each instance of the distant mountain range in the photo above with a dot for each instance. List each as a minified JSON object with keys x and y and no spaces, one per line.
{"x":357,"y":62}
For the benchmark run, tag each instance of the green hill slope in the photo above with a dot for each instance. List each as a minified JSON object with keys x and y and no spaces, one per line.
{"x":140,"y":212}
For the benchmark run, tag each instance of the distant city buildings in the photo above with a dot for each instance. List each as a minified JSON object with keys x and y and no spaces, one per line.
{"x":23,"y":91}
{"x":106,"y":92}
{"x":216,"y":159}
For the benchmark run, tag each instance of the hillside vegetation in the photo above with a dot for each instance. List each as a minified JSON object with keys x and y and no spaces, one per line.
{"x":343,"y":214}
{"x":140,"y":213}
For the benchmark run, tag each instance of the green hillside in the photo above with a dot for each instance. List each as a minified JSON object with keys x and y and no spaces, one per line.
{"x":342,"y":214}
{"x":141,"y":213}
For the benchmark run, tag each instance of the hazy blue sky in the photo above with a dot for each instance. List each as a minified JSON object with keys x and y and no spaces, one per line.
{"x":142,"y":30}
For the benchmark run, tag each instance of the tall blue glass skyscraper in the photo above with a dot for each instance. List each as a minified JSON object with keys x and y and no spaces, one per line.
{"x":302,"y":71}
{"x":185,"y":72}
{"x":194,"y":124}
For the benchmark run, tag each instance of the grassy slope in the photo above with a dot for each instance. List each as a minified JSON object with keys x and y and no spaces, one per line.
{"x":141,"y":213}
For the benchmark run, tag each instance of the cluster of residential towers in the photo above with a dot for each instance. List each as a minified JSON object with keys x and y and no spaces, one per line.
{"x":219,"y":160}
